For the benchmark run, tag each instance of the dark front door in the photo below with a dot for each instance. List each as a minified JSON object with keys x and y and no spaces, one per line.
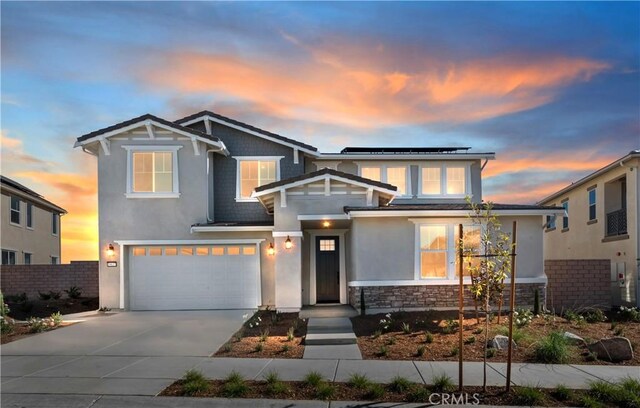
{"x":327,"y":270}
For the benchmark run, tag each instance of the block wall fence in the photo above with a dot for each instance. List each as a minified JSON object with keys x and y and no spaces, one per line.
{"x":31,"y":279}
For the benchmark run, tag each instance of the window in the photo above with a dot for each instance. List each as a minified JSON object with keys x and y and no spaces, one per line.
{"x":186,"y":251}
{"x":8,"y":257}
{"x":15,"y":210}
{"x":139,"y":251}
{"x":171,"y":251}
{"x":472,"y":238}
{"x":27,"y":258}
{"x":371,"y":173}
{"x":592,"y":204}
{"x":551,"y":222}
{"x":155,"y":251}
{"x":565,"y":218}
{"x":202,"y":251}
{"x":248,"y":250}
{"x":327,"y":245}
{"x":54,"y":223}
{"x":431,"y":180}
{"x":54,"y":260}
{"x":456,"y":180}
{"x":217,"y":251}
{"x":152,"y":172}
{"x":255,"y":172}
{"x":397,"y":176}
{"x":233,"y":250}
{"x":29,"y":215}
{"x":433,"y":251}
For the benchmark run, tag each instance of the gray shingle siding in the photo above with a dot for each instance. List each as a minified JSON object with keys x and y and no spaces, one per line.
{"x":224,"y":169}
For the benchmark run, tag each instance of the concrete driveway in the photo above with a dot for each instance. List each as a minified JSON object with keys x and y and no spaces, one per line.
{"x":131,"y":353}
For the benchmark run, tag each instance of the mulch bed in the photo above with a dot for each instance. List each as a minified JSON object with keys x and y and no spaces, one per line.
{"x":401,"y":346}
{"x":20,"y":331}
{"x":297,"y":390}
{"x":44,"y":308}
{"x":244,"y":342}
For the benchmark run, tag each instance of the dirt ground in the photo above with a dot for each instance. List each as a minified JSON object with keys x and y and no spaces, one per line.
{"x":21,"y":331}
{"x":394,"y":344}
{"x":44,"y":308}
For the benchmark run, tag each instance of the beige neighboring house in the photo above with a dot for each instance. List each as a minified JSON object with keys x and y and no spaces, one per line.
{"x":30,"y":226}
{"x":601,"y":222}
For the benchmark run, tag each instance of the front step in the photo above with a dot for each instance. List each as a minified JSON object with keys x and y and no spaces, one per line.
{"x":328,"y":339}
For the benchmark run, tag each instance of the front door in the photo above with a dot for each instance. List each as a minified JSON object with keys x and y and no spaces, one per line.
{"x":327,"y":269}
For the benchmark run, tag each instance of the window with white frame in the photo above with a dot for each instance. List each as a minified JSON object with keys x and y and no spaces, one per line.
{"x":8,"y":257}
{"x":29,"y":215}
{"x":592,"y":204}
{"x":54,"y":223}
{"x":472,"y":237}
{"x":15,"y":210}
{"x":371,"y":173}
{"x":444,"y":180}
{"x":152,"y":171}
{"x":27,"y":258}
{"x":396,"y":175}
{"x":255,"y":172}
{"x":433,"y":251}
{"x":565,"y":217}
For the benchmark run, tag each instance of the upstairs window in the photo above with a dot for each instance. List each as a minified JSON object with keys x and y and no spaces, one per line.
{"x":551,"y":222}
{"x":152,"y":171}
{"x":592,"y":204}
{"x":565,"y":218}
{"x":371,"y":173}
{"x":255,"y":172}
{"x":29,"y":215}
{"x":444,"y":180}
{"x":54,"y":223}
{"x":456,"y":180}
{"x":15,"y":210}
{"x":431,"y":181}
{"x":397,"y":176}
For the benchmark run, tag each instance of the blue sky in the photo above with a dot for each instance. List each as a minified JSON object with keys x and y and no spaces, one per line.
{"x":552,"y":88}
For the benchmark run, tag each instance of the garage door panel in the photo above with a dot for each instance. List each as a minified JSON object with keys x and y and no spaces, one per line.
{"x":217,"y":280}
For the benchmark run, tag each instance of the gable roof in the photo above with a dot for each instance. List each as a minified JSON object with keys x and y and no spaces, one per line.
{"x":27,"y":192}
{"x":197,"y":117}
{"x":261,"y":190}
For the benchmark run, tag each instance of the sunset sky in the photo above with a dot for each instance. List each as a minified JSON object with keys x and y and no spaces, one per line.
{"x":552,"y":88}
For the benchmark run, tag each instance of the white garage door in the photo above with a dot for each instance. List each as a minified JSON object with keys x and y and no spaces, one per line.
{"x":194,"y":277}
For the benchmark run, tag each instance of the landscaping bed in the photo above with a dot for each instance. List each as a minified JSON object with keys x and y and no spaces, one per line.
{"x":267,"y":334}
{"x":20,"y":331}
{"x":433,"y":336}
{"x":22,"y":309}
{"x":360,"y":388}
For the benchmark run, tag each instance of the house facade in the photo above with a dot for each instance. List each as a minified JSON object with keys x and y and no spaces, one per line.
{"x":601,"y":222}
{"x":30,"y":232}
{"x":207,"y":212}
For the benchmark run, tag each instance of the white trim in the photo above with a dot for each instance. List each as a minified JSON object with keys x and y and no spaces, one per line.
{"x":277,"y":234}
{"x":313,"y":234}
{"x":296,"y":158}
{"x":425,"y":157}
{"x":207,"y":126}
{"x":150,"y":129}
{"x":240,"y":159}
{"x":322,"y":177}
{"x":424,"y":282}
{"x":333,"y":165}
{"x":190,"y":241}
{"x":321,"y":217}
{"x":448,"y":213}
{"x":231,"y":228}
{"x":283,"y":198}
{"x":196,"y":148}
{"x":122,"y":249}
{"x":251,"y":132}
{"x":173,"y":149}
{"x":443,"y":166}
{"x":384,"y":176}
{"x":106,"y":146}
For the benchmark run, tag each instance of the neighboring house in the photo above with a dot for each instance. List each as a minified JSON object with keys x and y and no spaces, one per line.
{"x":30,"y":226}
{"x":601,"y":222}
{"x":208,"y":212}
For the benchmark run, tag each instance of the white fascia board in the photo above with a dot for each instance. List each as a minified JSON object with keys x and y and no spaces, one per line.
{"x":323,"y":177}
{"x":383,"y":157}
{"x":449,"y":213}
{"x":37,"y":201}
{"x":283,"y":234}
{"x":438,"y":282}
{"x":321,"y":217}
{"x":237,"y":228}
{"x":189,"y":242}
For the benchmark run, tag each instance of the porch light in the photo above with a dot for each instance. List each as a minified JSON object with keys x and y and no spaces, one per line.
{"x":271,"y":250}
{"x":288,"y":244}
{"x":326,"y":223}
{"x":110,"y":250}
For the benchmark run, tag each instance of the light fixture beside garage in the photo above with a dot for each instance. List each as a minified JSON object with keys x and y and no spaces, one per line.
{"x":271,"y":250}
{"x":110,"y":251}
{"x":326,"y":223}
{"x":288,"y":244}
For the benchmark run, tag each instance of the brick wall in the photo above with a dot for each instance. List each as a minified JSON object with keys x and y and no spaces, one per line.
{"x":432,"y":296}
{"x":578,"y":283}
{"x":15,"y":279}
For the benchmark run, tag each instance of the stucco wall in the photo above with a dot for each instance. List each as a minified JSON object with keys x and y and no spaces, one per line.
{"x":39,"y":241}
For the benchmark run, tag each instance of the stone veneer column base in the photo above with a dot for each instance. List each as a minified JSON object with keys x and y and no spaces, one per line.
{"x":433,"y":296}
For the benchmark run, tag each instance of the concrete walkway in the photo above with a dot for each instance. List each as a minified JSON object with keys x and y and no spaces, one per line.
{"x":331,"y":338}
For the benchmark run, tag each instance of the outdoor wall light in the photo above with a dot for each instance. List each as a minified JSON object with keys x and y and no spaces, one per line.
{"x":288,"y":244}
{"x":326,"y":224}
{"x":271,"y":250}
{"x":110,"y":250}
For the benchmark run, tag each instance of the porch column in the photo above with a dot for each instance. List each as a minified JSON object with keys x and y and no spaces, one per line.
{"x":288,"y":263}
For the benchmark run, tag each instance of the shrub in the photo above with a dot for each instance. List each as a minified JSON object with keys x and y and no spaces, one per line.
{"x":383,"y":351}
{"x":37,"y":325}
{"x":588,"y":401}
{"x":258,"y":347}
{"x":552,"y":349}
{"x":359,"y":381}
{"x":591,"y":356}
{"x":522,"y":317}
{"x":264,"y":335}
{"x":325,"y":391}
{"x":491,"y":352}
{"x":386,"y":322}
{"x":518,"y":335}
{"x":227,"y":347}
{"x":618,"y":331}
{"x":419,"y":394}
{"x":478,"y":331}
{"x":442,"y":383}
{"x":406,"y":328}
{"x":376,"y":334}
{"x":74,"y":292}
{"x":313,"y":378}
{"x":272,"y":377}
{"x":528,"y":396}
{"x":194,"y":382}
{"x":400,"y":384}
{"x":374,"y":391}
{"x":428,"y":338}
{"x":26,"y":306}
{"x":56,"y":319}
{"x":54,"y":295}
{"x":470,"y":340}
{"x":619,"y":394}
{"x":19,"y":298}
{"x":454,"y":351}
{"x":278,"y":389}
{"x":450,"y":326}
{"x":44,"y":296}
{"x":574,"y":317}
{"x":595,"y":316}
{"x":290,"y":334}
{"x":631,"y":384}
{"x":234,"y":385}
{"x":285,"y":348}
{"x":628,"y":314}
{"x":6,"y":325}
{"x":562,"y":393}
{"x":421,"y":350}
{"x":391,"y":341}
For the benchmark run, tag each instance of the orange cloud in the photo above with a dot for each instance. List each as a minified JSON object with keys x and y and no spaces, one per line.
{"x":364,"y":94}
{"x":515,"y":193}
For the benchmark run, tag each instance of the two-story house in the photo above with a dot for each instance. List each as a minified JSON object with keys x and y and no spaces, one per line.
{"x":207,"y":212}
{"x":30,"y":226}
{"x":601,"y":222}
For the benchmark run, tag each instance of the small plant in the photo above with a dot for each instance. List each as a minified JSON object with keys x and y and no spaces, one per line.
{"x":454,"y":351}
{"x":428,"y":338}
{"x":286,"y":348}
{"x":614,"y":324}
{"x":258,"y":347}
{"x":574,"y":317}
{"x":56,"y":319}
{"x":623,"y":394}
{"x":386,"y":322}
{"x":264,"y":335}
{"x":313,"y":378}
{"x":19,"y":298}
{"x":591,"y":356}
{"x":522,"y":317}
{"x":421,"y":350}
{"x":374,"y":391}
{"x":419,"y":394}
{"x":518,"y":335}
{"x":391,"y":341}
{"x":552,"y":349}
{"x":450,"y":326}
{"x":278,"y":389}
{"x":406,"y":328}
{"x":254,"y":321}
{"x":6,"y":323}
{"x":618,"y":331}
{"x":73,"y":292}
{"x":235,"y":389}
{"x":478,"y":330}
{"x":44,"y":296}
{"x":491,"y":352}
{"x":400,"y":384}
{"x":595,"y":316}
{"x":104,"y":309}
{"x":528,"y":396}
{"x":227,"y":347}
{"x":54,"y":295}
{"x":37,"y":325}
{"x":325,"y":391}
{"x":290,"y":334}
{"x":194,"y":382}
{"x":442,"y":383}
{"x":383,"y":351}
{"x":588,"y":401}
{"x":272,"y":377}
{"x":470,"y":340}
{"x":628,"y":314}
{"x":376,"y":334}
{"x":26,"y":306}
{"x":359,"y":381}
{"x":562,"y":393}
